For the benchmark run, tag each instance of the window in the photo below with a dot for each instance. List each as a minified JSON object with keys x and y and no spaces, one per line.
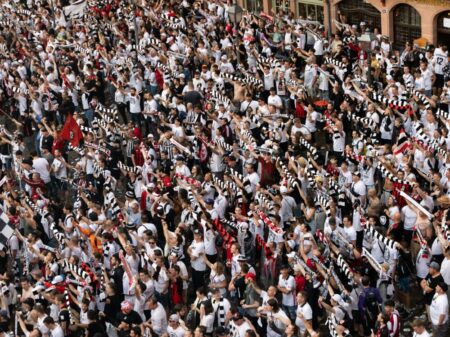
{"x":406,"y":25}
{"x":443,"y":28}
{"x":353,"y":12}
{"x":253,"y":6}
{"x":278,"y":5}
{"x":310,"y":11}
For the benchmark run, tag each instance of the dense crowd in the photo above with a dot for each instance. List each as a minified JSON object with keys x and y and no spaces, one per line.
{"x":167,"y":172}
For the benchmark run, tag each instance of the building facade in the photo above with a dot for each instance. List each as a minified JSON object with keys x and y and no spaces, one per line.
{"x":401,"y":20}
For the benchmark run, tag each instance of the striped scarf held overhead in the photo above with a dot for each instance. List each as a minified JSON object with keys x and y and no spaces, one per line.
{"x":397,"y":104}
{"x":431,"y":143}
{"x":311,"y":149}
{"x":385,"y":172}
{"x":343,"y":265}
{"x":219,"y":313}
{"x":272,"y":227}
{"x":132,"y":169}
{"x":189,"y":180}
{"x":292,"y":181}
{"x":371,"y":231}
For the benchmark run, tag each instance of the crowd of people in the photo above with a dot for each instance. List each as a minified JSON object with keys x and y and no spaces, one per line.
{"x":168,"y":172}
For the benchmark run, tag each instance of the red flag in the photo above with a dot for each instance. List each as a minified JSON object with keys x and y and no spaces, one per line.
{"x":71,"y":131}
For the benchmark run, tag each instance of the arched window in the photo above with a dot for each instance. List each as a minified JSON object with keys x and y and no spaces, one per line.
{"x":443,"y":28}
{"x":356,"y":11}
{"x":407,"y":26}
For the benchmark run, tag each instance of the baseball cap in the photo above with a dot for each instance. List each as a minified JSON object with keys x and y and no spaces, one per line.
{"x":435,"y":265}
{"x":174,"y":318}
{"x":125,"y":305}
{"x":130,"y":194}
{"x":250,"y":276}
{"x":241,"y":258}
{"x":337,"y":298}
{"x":283,"y":189}
{"x":57,"y":279}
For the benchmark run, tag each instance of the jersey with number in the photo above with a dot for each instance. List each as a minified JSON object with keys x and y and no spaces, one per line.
{"x":440,"y":60}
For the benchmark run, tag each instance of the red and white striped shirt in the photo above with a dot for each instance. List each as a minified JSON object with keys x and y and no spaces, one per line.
{"x":394,"y":324}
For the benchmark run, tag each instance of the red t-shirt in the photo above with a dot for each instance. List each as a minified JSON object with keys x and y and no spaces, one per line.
{"x":267,"y":172}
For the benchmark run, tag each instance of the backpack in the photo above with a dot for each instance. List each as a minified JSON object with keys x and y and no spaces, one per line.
{"x":372,"y":308}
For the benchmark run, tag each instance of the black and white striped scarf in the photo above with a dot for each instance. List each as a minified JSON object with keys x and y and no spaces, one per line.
{"x":378,"y":236}
{"x":133,"y":169}
{"x":219,"y":313}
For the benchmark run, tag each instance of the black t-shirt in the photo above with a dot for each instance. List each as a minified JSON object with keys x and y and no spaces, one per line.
{"x":132,"y":318}
{"x":116,"y":275}
{"x":432,"y":283}
{"x":64,"y":316}
{"x":240,"y":285}
{"x":112,"y":307}
{"x":96,"y":329}
{"x":193,"y":97}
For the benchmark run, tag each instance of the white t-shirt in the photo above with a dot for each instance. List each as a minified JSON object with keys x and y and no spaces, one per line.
{"x":438,"y":307}
{"x":349,"y":233}
{"x":289,"y":284}
{"x":42,"y":167}
{"x":425,"y":333}
{"x":178,"y":332}
{"x":440,"y":60}
{"x":422,"y":261}
{"x":426,"y":75}
{"x":197,"y":249}
{"x":310,"y":123}
{"x":339,"y":142}
{"x":306,"y":311}
{"x":409,"y":217}
{"x":57,"y":332}
{"x":159,"y":319}
{"x":310,"y":73}
{"x":445,"y":270}
{"x":135,"y":103}
{"x":238,"y":330}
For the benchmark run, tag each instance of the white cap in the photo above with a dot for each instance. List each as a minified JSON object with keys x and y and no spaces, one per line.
{"x":57,"y":279}
{"x":337,"y":298}
{"x":283,"y":189}
{"x":291,"y":255}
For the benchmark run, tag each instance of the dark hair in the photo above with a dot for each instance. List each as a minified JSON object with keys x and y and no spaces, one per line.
{"x":304,"y":295}
{"x":365,"y":281}
{"x":202,"y":329}
{"x":136,"y":330}
{"x":202,"y":290}
{"x":389,"y":303}
{"x":274,"y":304}
{"x":49,"y":320}
{"x":92,"y":315}
{"x":250,"y":333}
{"x":208,"y":307}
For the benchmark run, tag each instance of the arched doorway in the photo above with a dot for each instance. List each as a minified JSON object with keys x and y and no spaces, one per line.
{"x":353,"y":12}
{"x":407,"y":26}
{"x":443,"y":28}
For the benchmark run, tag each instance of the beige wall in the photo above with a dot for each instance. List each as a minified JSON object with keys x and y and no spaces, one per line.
{"x":428,"y":14}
